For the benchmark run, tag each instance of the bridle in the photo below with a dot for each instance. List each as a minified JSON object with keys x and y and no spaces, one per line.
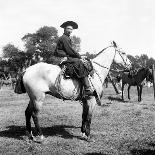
{"x":125,"y":62}
{"x":100,"y":65}
{"x":99,"y":54}
{"x":116,"y":50}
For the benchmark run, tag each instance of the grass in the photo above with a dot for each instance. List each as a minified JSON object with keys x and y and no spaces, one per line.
{"x":118,"y":128}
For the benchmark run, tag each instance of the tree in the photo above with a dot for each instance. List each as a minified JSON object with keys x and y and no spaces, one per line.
{"x":76,"y":43}
{"x":143,"y":59}
{"x":90,"y":56}
{"x":9,"y":51}
{"x":14,"y":57}
{"x":42,"y":43}
{"x":150,"y":62}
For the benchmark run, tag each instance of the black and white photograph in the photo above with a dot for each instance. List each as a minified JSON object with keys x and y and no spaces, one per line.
{"x":77,"y":77}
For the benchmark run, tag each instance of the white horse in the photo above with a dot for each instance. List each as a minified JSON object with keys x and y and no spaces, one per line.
{"x":43,"y":78}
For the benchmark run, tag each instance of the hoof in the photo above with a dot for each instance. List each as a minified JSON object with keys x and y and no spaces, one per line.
{"x":90,"y":139}
{"x":141,"y":102}
{"x":39,"y":139}
{"x":119,"y":92}
{"x":87,"y":138}
{"x":29,"y":135}
{"x":84,"y":135}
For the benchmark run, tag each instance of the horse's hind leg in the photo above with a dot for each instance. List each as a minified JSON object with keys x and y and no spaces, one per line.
{"x":122,"y":91}
{"x":33,"y":109}
{"x":28,"y":114}
{"x":37,"y":106}
{"x":129,"y":92}
{"x":35,"y":115}
{"x":138,"y":90}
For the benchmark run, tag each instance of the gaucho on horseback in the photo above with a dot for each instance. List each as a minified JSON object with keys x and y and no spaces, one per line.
{"x":75,"y":66}
{"x":42,"y":78}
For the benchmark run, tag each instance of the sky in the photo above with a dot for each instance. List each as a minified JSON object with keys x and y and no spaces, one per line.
{"x":130,"y":23}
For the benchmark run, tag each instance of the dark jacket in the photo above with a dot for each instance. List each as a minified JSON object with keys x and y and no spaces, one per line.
{"x":64,"y":48}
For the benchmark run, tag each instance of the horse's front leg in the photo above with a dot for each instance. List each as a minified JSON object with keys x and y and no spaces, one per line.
{"x":122,"y":91}
{"x":138,"y":90}
{"x":88,"y":107}
{"x":28,"y":115}
{"x":129,"y":92}
{"x":35,"y":114}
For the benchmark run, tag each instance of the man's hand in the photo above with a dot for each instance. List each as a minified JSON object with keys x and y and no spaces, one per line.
{"x":83,"y":57}
{"x":84,"y":60}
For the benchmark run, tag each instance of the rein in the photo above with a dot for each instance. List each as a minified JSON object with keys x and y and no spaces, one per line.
{"x":122,"y":57}
{"x":100,"y":65}
{"x":99,"y":54}
{"x":102,"y":51}
{"x":116,"y":50}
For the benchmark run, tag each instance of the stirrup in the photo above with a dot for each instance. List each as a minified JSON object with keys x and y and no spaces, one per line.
{"x":63,"y":60}
{"x":89,"y":92}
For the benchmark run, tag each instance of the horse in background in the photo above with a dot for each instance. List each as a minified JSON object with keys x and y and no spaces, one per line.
{"x":43,"y":78}
{"x":1,"y":78}
{"x":13,"y":82}
{"x":106,"y":82}
{"x":6,"y":80}
{"x":135,"y":80}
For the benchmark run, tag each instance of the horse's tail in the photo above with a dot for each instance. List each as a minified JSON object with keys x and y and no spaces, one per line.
{"x":19,"y":87}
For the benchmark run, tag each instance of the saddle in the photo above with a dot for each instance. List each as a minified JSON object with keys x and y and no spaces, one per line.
{"x":76,"y":68}
{"x":78,"y":93}
{"x":59,"y":83}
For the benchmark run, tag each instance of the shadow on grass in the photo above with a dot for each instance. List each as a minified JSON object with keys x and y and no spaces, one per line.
{"x":116,"y":99}
{"x":93,"y":153}
{"x":142,"y":152}
{"x":18,"y":132}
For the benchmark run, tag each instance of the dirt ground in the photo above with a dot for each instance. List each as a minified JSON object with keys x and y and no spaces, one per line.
{"x":118,"y":128}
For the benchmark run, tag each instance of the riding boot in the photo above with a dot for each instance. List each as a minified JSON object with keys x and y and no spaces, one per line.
{"x":87,"y":87}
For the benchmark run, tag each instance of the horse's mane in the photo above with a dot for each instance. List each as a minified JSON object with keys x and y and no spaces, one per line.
{"x":100,"y":52}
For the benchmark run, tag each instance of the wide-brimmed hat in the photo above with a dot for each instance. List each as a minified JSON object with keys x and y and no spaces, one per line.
{"x":69,"y":23}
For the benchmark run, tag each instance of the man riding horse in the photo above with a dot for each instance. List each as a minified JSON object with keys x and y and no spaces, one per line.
{"x":64,"y":50}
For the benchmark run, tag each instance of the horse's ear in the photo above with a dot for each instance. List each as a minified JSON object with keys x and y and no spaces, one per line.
{"x":114,"y":44}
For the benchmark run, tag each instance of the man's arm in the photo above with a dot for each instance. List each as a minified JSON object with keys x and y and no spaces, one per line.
{"x":69,"y":50}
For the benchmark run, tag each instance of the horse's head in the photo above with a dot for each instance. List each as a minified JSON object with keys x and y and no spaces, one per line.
{"x":121,"y":58}
{"x":148,"y":73}
{"x":109,"y":54}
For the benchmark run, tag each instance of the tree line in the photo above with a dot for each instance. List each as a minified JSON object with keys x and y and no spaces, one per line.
{"x":38,"y":46}
{"x":41,"y":46}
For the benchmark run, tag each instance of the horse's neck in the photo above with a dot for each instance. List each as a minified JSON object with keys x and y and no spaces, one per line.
{"x":103,"y":62}
{"x":141,"y":75}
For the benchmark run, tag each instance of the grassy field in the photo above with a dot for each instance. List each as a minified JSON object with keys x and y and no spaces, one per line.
{"x":118,"y":128}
